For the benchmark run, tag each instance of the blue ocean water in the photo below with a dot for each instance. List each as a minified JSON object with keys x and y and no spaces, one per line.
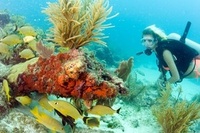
{"x":134,"y":16}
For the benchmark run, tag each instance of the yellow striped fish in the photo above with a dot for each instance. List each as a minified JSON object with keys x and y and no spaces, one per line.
{"x":102,"y":110}
{"x":47,"y":121}
{"x":66,"y":108}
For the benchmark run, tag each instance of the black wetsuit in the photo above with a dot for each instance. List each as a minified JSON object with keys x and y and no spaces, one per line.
{"x":183,"y":54}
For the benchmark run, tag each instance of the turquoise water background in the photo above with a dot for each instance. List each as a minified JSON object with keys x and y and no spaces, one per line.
{"x":134,"y":16}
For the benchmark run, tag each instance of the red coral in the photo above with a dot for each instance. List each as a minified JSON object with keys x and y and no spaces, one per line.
{"x":67,"y":75}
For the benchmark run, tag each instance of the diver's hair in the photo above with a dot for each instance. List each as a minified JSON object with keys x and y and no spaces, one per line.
{"x":156,"y":32}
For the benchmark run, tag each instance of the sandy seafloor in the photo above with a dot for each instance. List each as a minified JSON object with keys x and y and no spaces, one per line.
{"x":131,"y":119}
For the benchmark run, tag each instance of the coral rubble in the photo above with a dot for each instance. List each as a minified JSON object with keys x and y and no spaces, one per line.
{"x":73,"y":74}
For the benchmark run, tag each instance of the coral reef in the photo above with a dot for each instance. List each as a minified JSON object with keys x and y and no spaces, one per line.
{"x":175,"y":117}
{"x":73,"y":74}
{"x":17,"y":69}
{"x":112,"y":122}
{"x":124,"y":69}
{"x":77,"y":22}
{"x":4,"y":18}
{"x":104,"y":55}
{"x":140,"y":92}
{"x":18,"y":41}
{"x":4,"y":70}
{"x":17,"y":122}
{"x":4,"y":108}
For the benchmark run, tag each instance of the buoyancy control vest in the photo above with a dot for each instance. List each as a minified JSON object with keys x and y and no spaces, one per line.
{"x":183,"y":54}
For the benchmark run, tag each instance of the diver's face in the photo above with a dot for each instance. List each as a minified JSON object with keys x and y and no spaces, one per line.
{"x":148,"y":41}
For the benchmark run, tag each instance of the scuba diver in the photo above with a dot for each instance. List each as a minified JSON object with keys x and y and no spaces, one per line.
{"x":176,"y":54}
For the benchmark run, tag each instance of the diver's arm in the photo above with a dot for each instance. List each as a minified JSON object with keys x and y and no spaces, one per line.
{"x":167,"y":55}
